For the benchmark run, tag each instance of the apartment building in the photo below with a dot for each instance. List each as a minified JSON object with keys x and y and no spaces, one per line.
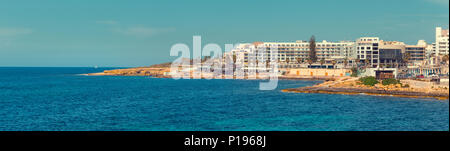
{"x":442,"y":43}
{"x":367,"y":50}
{"x":417,"y":53}
{"x":291,"y":54}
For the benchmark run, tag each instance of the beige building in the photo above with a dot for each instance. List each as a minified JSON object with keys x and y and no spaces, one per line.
{"x":320,"y":72}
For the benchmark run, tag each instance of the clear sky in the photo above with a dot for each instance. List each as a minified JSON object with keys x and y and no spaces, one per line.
{"x":120,"y":33}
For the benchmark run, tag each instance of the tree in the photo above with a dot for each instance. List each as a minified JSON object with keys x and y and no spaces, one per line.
{"x":357,"y":62}
{"x":366,"y":63}
{"x":333,"y":62}
{"x":299,"y":60}
{"x":354,"y":72}
{"x":310,"y":62}
{"x":205,"y":58}
{"x":345,"y":62}
{"x":322,"y":61}
{"x":288,"y":60}
{"x":234,"y":57}
{"x":406,"y":58}
{"x":445,"y":58}
{"x":312,"y":49}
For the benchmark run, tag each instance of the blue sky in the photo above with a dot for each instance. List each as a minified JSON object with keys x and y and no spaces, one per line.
{"x":119,"y":33}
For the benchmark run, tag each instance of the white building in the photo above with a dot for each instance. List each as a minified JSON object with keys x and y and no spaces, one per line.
{"x":367,"y":50}
{"x":442,"y":44}
{"x":292,"y":54}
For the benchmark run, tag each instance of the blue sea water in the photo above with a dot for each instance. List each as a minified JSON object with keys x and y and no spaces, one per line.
{"x":54,"y":99}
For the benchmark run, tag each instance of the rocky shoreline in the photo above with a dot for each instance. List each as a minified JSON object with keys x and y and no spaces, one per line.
{"x":161,"y":73}
{"x":142,"y":71}
{"x":350,"y":87}
{"x":354,"y":91}
{"x":331,"y":85}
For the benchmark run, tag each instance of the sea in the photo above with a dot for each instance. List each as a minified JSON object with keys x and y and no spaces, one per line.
{"x":60,"y":99}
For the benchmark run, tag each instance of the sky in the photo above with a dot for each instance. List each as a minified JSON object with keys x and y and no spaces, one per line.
{"x":120,"y":33}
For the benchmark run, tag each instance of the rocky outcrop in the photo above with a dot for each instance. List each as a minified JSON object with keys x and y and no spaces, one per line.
{"x":356,"y":91}
{"x":144,"y":71}
{"x":351,"y":86}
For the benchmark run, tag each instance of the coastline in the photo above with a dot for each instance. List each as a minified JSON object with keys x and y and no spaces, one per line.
{"x":350,"y":86}
{"x":160,"y":73}
{"x":330,"y":85}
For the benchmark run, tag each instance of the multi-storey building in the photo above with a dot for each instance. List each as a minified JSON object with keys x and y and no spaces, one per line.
{"x":417,"y":53}
{"x":324,"y":49}
{"x":375,"y":52}
{"x":442,"y":43}
{"x":391,"y":54}
{"x":367,"y":50}
{"x":292,"y":54}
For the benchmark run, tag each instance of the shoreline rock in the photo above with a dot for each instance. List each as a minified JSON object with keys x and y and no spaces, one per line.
{"x":331,"y":85}
{"x":345,"y":86}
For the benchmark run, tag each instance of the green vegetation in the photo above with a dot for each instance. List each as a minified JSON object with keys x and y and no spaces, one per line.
{"x":390,"y":81}
{"x":369,"y":80}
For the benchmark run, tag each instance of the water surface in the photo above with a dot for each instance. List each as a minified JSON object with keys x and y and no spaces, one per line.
{"x":59,"y":99}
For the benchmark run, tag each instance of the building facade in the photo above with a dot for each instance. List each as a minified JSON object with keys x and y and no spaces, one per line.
{"x":293,"y":54}
{"x":416,"y":53}
{"x":367,"y":50}
{"x":442,"y":44}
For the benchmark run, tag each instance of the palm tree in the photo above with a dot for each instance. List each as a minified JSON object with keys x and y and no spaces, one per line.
{"x":322,"y":61}
{"x":406,"y":58}
{"x":310,"y":62}
{"x":299,"y":60}
{"x":445,"y":59}
{"x":333,"y":62}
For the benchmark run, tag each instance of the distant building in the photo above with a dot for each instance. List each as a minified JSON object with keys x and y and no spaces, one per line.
{"x":370,"y":51}
{"x":367,"y":50}
{"x":442,"y":43}
{"x":430,"y":50}
{"x":391,"y":54}
{"x":291,"y":53}
{"x":417,"y":53}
